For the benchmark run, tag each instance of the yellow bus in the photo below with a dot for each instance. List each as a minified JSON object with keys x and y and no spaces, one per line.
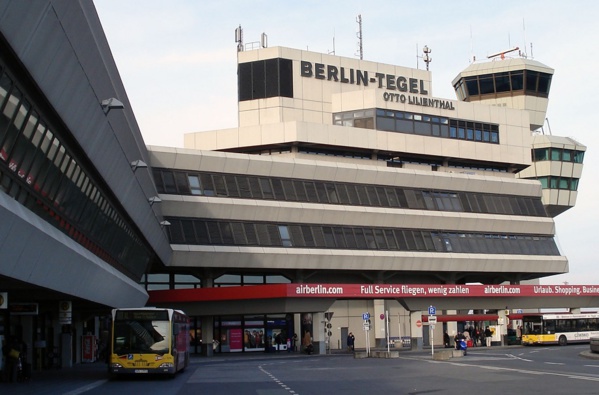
{"x":148,"y":340}
{"x":559,"y":328}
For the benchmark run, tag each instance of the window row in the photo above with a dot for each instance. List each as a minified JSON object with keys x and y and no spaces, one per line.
{"x":583,"y":324}
{"x":158,"y":281}
{"x":285,"y":189}
{"x":528,"y":81}
{"x":37,"y":169}
{"x":212,"y":232}
{"x":556,"y":182}
{"x":557,"y":154}
{"x":421,"y":124}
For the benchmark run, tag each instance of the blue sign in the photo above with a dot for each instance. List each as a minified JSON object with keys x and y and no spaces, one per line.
{"x":366,"y":316}
{"x":432,"y":310}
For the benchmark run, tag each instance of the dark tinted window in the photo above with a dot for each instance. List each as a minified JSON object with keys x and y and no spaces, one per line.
{"x":244,"y":81}
{"x":265,"y":78}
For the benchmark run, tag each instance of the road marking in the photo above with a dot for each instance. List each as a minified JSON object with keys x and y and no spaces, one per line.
{"x":86,"y":388}
{"x":521,"y":371}
{"x":518,"y":358}
{"x":554,"y":363}
{"x":276,"y":380}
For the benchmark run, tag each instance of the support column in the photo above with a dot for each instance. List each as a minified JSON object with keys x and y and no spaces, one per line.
{"x":379,"y":326}
{"x":207,"y":335}
{"x":207,"y":321}
{"x":502,"y":320}
{"x":416,"y":329}
{"x":452,"y":327}
{"x":318,"y":337}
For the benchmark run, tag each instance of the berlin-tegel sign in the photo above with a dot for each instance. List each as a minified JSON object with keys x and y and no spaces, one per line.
{"x":436,"y":290}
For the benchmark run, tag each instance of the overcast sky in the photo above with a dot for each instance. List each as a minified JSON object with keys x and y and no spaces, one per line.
{"x":177,"y":59}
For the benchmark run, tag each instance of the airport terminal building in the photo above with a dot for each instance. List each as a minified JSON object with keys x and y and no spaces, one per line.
{"x":349,"y":171}
{"x":341,"y":173}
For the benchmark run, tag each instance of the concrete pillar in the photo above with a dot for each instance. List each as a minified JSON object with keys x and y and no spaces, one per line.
{"x":318,"y":335}
{"x":502,"y":321}
{"x":416,"y":329}
{"x":452,"y":326}
{"x":207,"y":335}
{"x":378,"y":324}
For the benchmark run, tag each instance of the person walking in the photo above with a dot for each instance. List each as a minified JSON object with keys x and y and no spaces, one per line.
{"x":351,"y":340}
{"x":488,"y":336}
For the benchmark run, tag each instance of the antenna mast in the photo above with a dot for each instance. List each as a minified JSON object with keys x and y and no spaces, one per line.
{"x":426,"y":58}
{"x":239,"y":38}
{"x":359,"y":34}
{"x":333,"y":51}
{"x":524,"y":54}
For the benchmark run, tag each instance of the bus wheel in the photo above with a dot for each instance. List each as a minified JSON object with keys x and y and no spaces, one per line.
{"x":562,"y":340}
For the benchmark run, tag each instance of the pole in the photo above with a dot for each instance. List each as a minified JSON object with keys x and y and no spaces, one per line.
{"x":432,"y":328}
{"x":368,"y":342}
{"x":387,"y":326}
{"x":399,"y":329}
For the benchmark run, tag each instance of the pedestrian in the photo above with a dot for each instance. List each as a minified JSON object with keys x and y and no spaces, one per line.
{"x":488,"y":335}
{"x":288,"y":345}
{"x":351,"y":340}
{"x":446,"y":339}
{"x":294,"y":341}
{"x":278,"y":341}
{"x":12,"y":351}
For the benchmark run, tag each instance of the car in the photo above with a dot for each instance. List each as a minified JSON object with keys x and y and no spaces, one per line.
{"x":512,"y":337}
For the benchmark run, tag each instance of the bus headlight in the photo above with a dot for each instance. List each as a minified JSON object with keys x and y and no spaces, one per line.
{"x":167,"y":365}
{"x":116,"y":365}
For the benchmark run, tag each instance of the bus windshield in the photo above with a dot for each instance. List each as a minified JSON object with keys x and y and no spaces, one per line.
{"x":141,"y":336}
{"x":532,"y":325}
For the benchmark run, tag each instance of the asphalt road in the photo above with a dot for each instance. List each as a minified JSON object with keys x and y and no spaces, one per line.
{"x":528,"y":370}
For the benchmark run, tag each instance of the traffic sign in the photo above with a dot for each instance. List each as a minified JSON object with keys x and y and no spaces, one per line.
{"x":366,"y":316}
{"x":418,"y":323}
{"x":366,"y":326}
{"x":382,"y":316}
{"x":432,"y":310}
{"x":432,"y":319}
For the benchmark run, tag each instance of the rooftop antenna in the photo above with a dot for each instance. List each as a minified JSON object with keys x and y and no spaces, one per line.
{"x":502,"y":53}
{"x":472,"y":46}
{"x":239,"y":38}
{"x":264,"y":40}
{"x":417,"y":57}
{"x":426,"y":58}
{"x":359,"y":34}
{"x":333,"y":51}
{"x":548,"y":126}
{"x":523,"y":53}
